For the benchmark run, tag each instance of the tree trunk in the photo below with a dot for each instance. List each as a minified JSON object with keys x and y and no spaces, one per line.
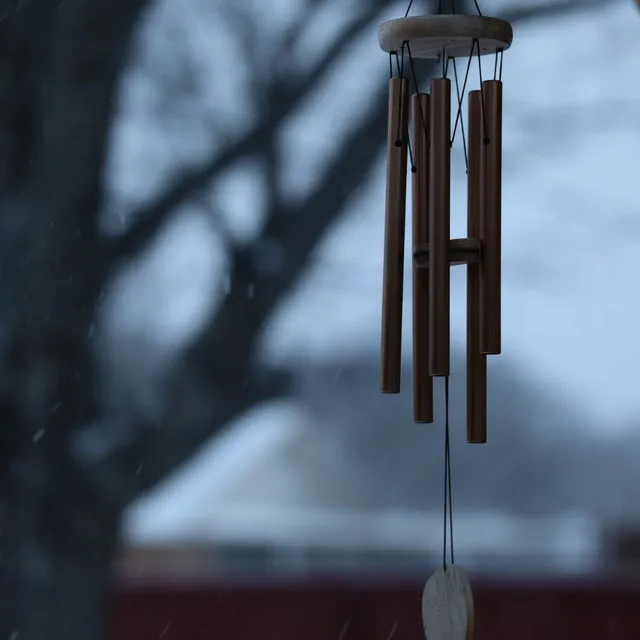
{"x":60,"y":65}
{"x":63,"y":596}
{"x":56,"y":554}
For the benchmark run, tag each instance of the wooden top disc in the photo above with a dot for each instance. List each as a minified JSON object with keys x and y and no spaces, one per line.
{"x":429,"y":35}
{"x":447,"y":606}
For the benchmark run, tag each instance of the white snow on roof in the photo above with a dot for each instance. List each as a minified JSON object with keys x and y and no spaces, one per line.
{"x":182,"y":505}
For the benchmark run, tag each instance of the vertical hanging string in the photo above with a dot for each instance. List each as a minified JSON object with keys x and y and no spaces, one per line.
{"x":417,"y":88}
{"x":459,"y":118}
{"x":448,"y":498}
{"x":485,"y":130}
{"x":499,"y":55}
{"x":448,"y":501}
{"x":400,"y":68}
{"x":445,"y":62}
{"x":406,"y":13}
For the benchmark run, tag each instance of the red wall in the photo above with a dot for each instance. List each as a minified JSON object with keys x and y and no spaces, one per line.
{"x":585,"y":610}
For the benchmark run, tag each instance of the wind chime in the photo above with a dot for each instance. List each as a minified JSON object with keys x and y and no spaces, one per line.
{"x":447,"y":604}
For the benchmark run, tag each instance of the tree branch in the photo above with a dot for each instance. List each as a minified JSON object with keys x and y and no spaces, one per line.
{"x":151,"y":217}
{"x":216,"y":381}
{"x":287,"y":96}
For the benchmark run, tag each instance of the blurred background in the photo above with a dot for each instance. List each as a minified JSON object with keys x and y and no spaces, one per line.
{"x":192,"y":198}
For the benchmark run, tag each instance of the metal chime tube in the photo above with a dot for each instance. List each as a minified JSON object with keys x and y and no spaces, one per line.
{"x":422,"y":381}
{"x":476,"y":360}
{"x":397,"y":143}
{"x":439,"y":226}
{"x":491,"y":220}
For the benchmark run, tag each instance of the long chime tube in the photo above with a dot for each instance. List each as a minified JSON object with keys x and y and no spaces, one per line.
{"x":476,"y":360}
{"x":397,"y":144}
{"x":422,"y":381}
{"x":491,"y":220}
{"x":439,"y":226}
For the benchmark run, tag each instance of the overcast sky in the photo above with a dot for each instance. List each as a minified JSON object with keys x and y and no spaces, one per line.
{"x":571,"y":209}
{"x":571,"y":221}
{"x":571,"y":201}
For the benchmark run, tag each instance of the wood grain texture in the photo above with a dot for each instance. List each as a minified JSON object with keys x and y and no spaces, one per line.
{"x":491,"y":222}
{"x":461,"y":251}
{"x":428,"y":35}
{"x":393,"y":274}
{"x":476,"y":360}
{"x":447,"y":605}
{"x":440,"y":228}
{"x":422,"y":381}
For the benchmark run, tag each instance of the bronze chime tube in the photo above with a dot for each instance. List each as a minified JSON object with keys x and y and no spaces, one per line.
{"x":422,"y":381}
{"x":439,"y":226}
{"x":491,"y":219}
{"x":397,"y":143}
{"x":476,"y":360}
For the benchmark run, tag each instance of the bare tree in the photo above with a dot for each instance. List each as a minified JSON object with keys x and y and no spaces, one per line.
{"x":61,"y":63}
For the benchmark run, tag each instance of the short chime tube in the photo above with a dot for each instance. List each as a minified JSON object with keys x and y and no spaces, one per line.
{"x":397,"y":143}
{"x":476,"y":360}
{"x":422,"y":381}
{"x":491,"y":219}
{"x":439,"y":226}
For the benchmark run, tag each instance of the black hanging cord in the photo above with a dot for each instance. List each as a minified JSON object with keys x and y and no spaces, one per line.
{"x":497,"y":73}
{"x":406,"y":13}
{"x":413,"y":73}
{"x":448,"y":494}
{"x":485,"y":137}
{"x":448,"y":501}
{"x":445,"y":62}
{"x":400,"y":68}
{"x":423,"y":120}
{"x":460,"y":96}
